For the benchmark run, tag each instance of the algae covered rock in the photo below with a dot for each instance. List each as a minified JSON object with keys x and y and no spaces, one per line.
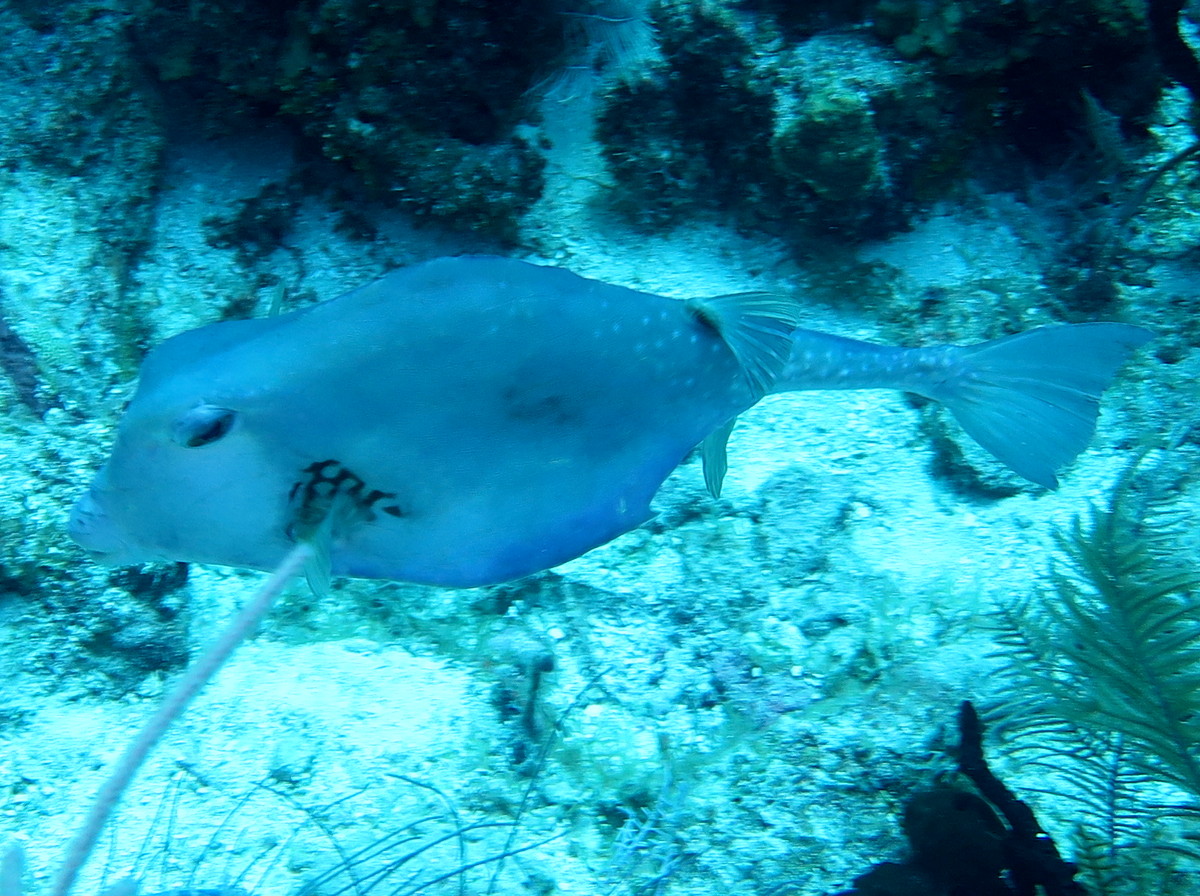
{"x":692,"y":132}
{"x":846,"y":118}
{"x":421,"y":104}
{"x":830,"y":143}
{"x":1022,"y":68}
{"x":833,"y":133}
{"x":861,"y":138}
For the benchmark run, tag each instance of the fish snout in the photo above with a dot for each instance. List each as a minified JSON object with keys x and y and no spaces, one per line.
{"x":91,"y":527}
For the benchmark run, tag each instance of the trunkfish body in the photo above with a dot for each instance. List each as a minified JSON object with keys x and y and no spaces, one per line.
{"x":471,"y":420}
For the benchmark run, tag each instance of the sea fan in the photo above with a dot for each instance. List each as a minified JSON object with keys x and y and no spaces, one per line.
{"x":1104,"y":665}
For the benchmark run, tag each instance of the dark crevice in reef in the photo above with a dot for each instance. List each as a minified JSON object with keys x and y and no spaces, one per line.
{"x":20,"y":365}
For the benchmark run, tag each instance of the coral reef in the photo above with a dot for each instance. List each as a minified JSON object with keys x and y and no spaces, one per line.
{"x":701,"y":120}
{"x":419,"y":104}
{"x":827,"y":135}
{"x":1023,"y":69}
{"x":793,"y":121}
{"x":861,"y":139}
{"x":82,"y":146}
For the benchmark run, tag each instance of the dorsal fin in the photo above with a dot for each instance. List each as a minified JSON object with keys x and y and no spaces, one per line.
{"x":713,"y":457}
{"x":757,"y":327}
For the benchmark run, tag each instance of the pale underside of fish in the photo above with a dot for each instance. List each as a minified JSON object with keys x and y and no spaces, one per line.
{"x":471,"y":420}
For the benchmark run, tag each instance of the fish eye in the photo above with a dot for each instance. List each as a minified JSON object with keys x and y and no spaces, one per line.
{"x":202,"y":426}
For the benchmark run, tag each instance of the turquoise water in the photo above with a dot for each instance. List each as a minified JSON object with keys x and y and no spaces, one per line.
{"x":740,"y":696}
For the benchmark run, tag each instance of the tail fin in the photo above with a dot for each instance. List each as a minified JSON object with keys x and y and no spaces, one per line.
{"x":1032,"y":399}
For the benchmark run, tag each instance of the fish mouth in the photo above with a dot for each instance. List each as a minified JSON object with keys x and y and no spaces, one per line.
{"x":93,"y":529}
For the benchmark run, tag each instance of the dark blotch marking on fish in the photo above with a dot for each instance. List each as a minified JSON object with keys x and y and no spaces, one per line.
{"x":528,"y":406}
{"x":312,"y":498}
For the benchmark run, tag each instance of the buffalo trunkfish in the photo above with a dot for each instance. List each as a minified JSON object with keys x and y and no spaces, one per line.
{"x":471,"y":420}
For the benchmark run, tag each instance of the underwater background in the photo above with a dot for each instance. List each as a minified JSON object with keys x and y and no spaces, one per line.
{"x":753,"y":695}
